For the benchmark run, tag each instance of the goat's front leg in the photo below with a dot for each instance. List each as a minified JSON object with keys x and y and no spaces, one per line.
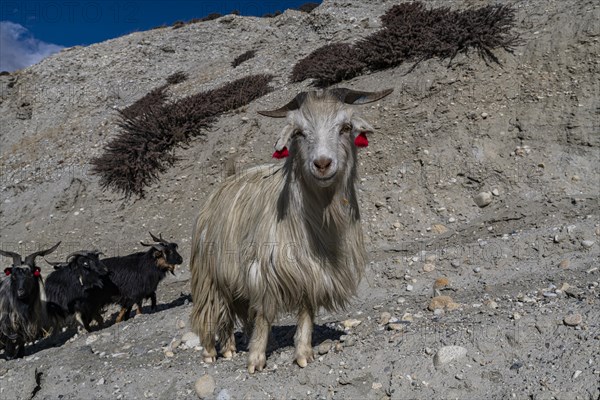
{"x":123,"y":314}
{"x":153,"y":301}
{"x":257,"y":358}
{"x":303,"y":337}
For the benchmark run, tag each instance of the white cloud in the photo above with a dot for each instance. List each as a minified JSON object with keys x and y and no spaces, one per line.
{"x":19,"y":49}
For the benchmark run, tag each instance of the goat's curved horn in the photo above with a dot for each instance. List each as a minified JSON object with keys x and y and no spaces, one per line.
{"x":291,"y":106}
{"x":84,"y":253}
{"x":56,"y":264}
{"x":17,"y":260}
{"x":158,"y":239}
{"x":31,"y":258}
{"x":357,"y":97}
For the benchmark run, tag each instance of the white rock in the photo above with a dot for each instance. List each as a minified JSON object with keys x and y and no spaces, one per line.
{"x":449,"y":353}
{"x":190,"y":339}
{"x":205,"y":386}
{"x":483,"y":199}
{"x":587,"y":243}
{"x":351,"y":323}
{"x":224,"y":395}
{"x":91,"y":339}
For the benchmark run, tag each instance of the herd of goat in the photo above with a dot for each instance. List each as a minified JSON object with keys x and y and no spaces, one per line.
{"x":80,"y":288}
{"x":305,"y":208}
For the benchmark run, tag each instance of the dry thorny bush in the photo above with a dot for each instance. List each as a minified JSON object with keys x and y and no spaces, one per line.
{"x":411,"y":32}
{"x":151,"y":128}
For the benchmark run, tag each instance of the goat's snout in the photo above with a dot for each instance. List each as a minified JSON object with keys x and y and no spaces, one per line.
{"x":21,"y":293}
{"x":322,"y":164}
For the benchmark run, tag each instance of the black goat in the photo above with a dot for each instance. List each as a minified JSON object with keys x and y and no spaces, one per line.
{"x":71,"y":289}
{"x":22,"y":309}
{"x":137,"y":275}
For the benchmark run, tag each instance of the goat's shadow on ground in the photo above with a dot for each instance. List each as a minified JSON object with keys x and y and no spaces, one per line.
{"x":283,"y":336}
{"x":62,"y":337}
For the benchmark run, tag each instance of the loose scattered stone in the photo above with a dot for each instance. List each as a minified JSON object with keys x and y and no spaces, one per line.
{"x":190,"y":339}
{"x":205,"y":386}
{"x":395,"y":327}
{"x":325,"y":347}
{"x":576,"y":374}
{"x":451,"y":220}
{"x":100,"y":382}
{"x":180,"y":324}
{"x":449,"y":353}
{"x":491,"y":304}
{"x":384,"y":318}
{"x":484,"y":115}
{"x":428,"y":267}
{"x":442,"y":303}
{"x":587,"y":243}
{"x":407,"y":317}
{"x":169,"y":353}
{"x":439,"y":228}
{"x":400,"y":300}
{"x":483,"y":199}
{"x":455,"y":263}
{"x":174,"y":344}
{"x":224,"y":395}
{"x":564,"y":264}
{"x":496,"y":192}
{"x":409,"y":288}
{"x":516,"y":316}
{"x":91,"y":339}
{"x":573,"y":319}
{"x":351,"y":323}
{"x":397,"y":225}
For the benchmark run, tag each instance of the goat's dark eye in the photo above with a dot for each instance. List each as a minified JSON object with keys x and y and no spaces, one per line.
{"x":297,"y":132}
{"x":346,"y":128}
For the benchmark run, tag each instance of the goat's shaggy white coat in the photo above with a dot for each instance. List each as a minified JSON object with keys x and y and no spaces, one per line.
{"x":281,"y":237}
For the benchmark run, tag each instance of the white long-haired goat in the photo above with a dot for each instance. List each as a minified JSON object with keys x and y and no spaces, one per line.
{"x":287,"y":237}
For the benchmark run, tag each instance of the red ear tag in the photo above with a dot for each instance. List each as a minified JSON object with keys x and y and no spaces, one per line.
{"x":7,"y":271}
{"x":36,"y":272}
{"x":283,"y":153}
{"x":361,"y":140}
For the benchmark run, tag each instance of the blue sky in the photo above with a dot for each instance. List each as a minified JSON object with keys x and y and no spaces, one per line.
{"x":33,"y":29}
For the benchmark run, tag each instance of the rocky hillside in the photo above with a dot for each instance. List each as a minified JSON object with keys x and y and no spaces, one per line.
{"x":483,"y":176}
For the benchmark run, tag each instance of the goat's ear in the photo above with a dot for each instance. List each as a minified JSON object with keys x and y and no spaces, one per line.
{"x":360,"y":128}
{"x":7,"y":271}
{"x":281,"y":145}
{"x":157,"y":254}
{"x":359,"y":125}
{"x":284,"y":137}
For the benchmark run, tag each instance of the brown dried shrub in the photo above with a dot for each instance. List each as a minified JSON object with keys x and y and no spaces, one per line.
{"x":154,"y":98}
{"x":144,"y":147}
{"x":176,"y":78}
{"x":329,"y":64}
{"x":411,"y":32}
{"x":243,"y":57}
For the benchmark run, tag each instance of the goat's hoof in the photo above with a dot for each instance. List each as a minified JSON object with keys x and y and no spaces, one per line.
{"x":228,"y":355}
{"x":209,"y":356}
{"x":304,"y":356}
{"x":256,"y":362}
